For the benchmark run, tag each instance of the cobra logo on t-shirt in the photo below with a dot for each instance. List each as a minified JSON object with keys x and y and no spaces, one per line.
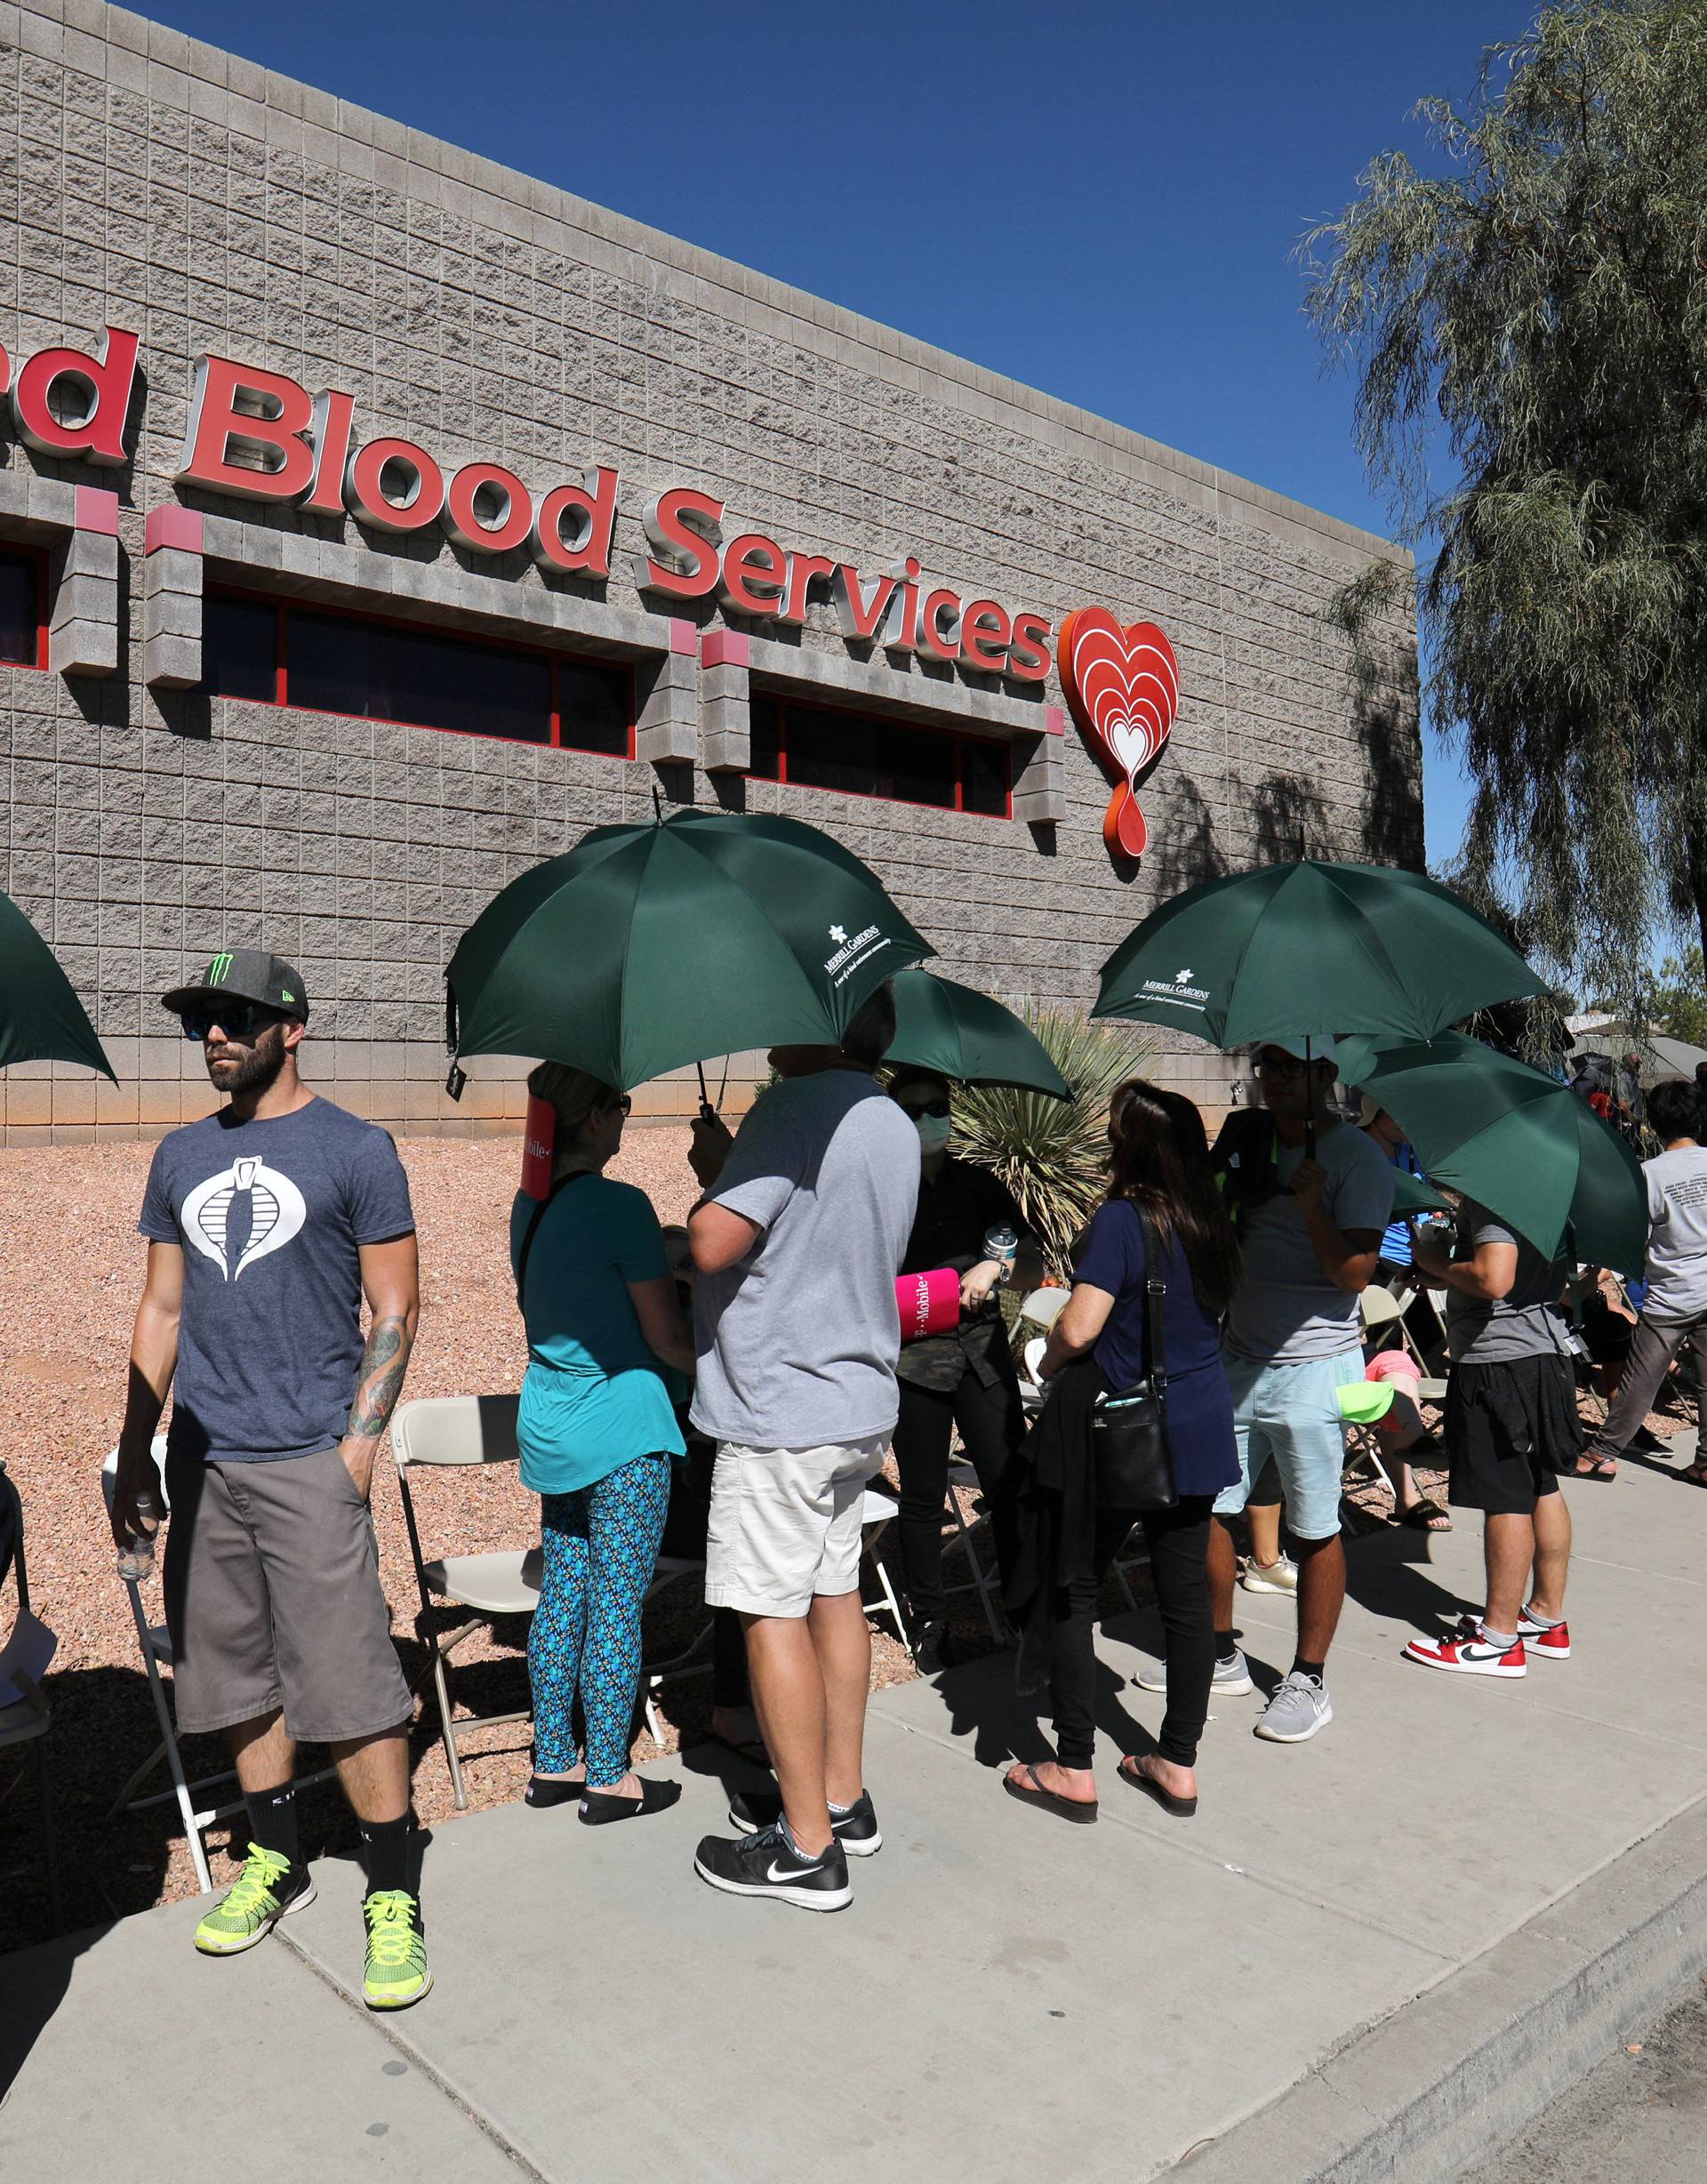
{"x":248,"y":1208}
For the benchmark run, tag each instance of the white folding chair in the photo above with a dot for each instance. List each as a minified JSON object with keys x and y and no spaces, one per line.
{"x":154,"y":1643}
{"x":26,"y":1713}
{"x":447,"y":1430}
{"x":876,"y":1513}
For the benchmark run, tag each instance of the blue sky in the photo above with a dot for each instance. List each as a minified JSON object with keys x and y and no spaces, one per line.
{"x":1099,"y":199}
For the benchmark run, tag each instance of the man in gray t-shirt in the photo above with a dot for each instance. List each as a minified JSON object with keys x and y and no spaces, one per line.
{"x":797,"y":1242}
{"x":1674,"y":1309}
{"x":1311,"y":1235}
{"x":1511,"y":1427}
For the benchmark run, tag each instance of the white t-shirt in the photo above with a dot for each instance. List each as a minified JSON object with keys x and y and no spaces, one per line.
{"x":797,"y":1342}
{"x":1286,"y":1311}
{"x":1677,"y":1236}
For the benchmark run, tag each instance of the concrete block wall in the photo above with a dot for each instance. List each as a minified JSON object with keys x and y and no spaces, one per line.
{"x":153,"y":182}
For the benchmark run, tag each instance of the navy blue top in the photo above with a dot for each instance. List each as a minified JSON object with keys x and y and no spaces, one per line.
{"x":1200,"y":1403}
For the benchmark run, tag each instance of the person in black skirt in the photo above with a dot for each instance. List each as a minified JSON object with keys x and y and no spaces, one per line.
{"x":963,"y":1379}
{"x":1161,"y":1181}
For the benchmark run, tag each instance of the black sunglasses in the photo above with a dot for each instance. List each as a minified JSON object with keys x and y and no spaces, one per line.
{"x":623,"y":1103}
{"x":236,"y":1019}
{"x":1285,"y":1064}
{"x":938,"y":1108}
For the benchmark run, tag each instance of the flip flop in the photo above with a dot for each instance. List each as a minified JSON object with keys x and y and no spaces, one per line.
{"x":1047,"y":1801}
{"x":1694,"y":1475}
{"x":1603,"y":1471}
{"x":1420,"y":1514}
{"x":1181,"y":1807}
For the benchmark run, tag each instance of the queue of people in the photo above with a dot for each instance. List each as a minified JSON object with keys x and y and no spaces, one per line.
{"x":1215,"y":1295}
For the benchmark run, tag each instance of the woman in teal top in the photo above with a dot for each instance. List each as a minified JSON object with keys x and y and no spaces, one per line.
{"x":598,"y":1431}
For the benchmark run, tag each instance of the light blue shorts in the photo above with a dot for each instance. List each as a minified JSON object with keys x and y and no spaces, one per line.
{"x":1291,"y":1413}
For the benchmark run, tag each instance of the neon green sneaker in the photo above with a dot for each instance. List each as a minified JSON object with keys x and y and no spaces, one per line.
{"x":397,"y":1972}
{"x":253,"y":1905}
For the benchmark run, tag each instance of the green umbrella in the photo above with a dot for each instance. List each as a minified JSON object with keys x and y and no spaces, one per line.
{"x":1299,"y":950}
{"x":964,"y":1035}
{"x":1411,"y":1194}
{"x":646,"y":947}
{"x":1518,"y":1142}
{"x":41,"y":1017}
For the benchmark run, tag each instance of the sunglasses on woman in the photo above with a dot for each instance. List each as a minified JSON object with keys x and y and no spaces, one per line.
{"x":937,"y":1108}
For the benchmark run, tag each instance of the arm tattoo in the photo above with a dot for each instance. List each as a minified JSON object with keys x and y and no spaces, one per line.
{"x":380,"y":1381}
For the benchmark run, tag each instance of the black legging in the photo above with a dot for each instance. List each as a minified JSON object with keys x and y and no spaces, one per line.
{"x":1178,"y":1540}
{"x":991,"y":1425}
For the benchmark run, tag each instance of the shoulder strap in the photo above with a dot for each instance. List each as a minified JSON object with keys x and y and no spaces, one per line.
{"x":1155,"y":1290}
{"x":532,"y":1230}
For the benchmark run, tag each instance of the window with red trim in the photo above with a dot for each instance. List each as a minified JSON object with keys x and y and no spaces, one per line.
{"x":872,"y":754}
{"x":366,"y":667}
{"x":23,"y":607}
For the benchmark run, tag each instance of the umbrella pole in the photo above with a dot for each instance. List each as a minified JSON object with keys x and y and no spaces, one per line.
{"x":708,"y":1112}
{"x":1310,"y":1081}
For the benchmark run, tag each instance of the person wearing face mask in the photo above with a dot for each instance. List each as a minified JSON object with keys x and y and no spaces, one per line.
{"x":963,"y":1379}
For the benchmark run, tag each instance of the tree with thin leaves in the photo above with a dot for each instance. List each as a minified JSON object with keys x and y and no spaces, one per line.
{"x":1528,"y":328}
{"x":1052,"y":1155}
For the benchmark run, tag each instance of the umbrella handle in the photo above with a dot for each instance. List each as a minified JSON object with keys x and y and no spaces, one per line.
{"x":708,"y":1112}
{"x":1310,"y":1120}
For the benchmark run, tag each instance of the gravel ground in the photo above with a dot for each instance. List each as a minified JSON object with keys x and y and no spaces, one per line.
{"x":1642,"y":2112}
{"x":68,"y":1286}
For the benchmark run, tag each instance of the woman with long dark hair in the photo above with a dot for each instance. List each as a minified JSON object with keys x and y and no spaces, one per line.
{"x":1160,"y":1189}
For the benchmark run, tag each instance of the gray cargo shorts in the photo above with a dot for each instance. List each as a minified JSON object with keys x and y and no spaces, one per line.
{"x":273,"y":1599}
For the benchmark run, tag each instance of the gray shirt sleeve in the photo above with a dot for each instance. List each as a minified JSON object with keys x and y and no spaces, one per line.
{"x":763,"y":1167}
{"x":1361,"y":1196}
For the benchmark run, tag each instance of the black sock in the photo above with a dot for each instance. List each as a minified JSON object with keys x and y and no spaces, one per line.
{"x":385,"y":1852}
{"x":1226,"y":1645}
{"x":272,"y":1821}
{"x":1301,"y":1667}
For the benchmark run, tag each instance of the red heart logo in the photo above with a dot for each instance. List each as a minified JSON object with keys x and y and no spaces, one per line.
{"x":1123,"y":686}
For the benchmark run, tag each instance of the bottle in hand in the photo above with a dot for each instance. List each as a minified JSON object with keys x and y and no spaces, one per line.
{"x":136,"y":1556}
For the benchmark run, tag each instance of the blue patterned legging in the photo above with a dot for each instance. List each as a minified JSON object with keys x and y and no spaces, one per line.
{"x":600,"y":1545}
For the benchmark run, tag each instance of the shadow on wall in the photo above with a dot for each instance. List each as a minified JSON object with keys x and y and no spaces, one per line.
{"x":1392,"y":809}
{"x":1183,"y":848}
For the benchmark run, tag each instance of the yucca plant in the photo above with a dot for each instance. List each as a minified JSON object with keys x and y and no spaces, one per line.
{"x":1050,"y":1153}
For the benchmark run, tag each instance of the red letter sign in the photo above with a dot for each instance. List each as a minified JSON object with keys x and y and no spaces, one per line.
{"x":106,"y":381}
{"x":1124,"y":688}
{"x":276,"y":430}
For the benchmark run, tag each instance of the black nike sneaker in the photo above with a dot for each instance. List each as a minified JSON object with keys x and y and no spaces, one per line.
{"x":767,"y":1864}
{"x":856,"y":1829}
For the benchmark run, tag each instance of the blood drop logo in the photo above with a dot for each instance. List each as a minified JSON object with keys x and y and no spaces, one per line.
{"x":1123,"y":686}
{"x":242,"y":1214}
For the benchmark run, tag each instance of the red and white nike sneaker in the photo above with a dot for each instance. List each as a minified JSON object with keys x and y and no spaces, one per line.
{"x":1467,"y":1653}
{"x":1548,"y":1641}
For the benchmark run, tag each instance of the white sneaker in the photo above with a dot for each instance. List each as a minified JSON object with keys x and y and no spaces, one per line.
{"x":1281,"y":1576}
{"x":1231,"y":1677}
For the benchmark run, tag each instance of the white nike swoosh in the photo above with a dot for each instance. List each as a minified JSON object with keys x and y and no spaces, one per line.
{"x":781,"y":1873}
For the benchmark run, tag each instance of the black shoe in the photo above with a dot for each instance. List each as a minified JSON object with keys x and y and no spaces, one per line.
{"x":856,"y":1829}
{"x":600,"y":1808}
{"x":933,"y":1649}
{"x":767,"y":1864}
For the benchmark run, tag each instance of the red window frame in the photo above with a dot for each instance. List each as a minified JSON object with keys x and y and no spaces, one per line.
{"x":958,"y":737}
{"x":550,"y":654}
{"x":24,"y":551}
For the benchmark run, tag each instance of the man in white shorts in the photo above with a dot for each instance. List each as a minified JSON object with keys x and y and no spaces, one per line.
{"x":1292,"y":1341}
{"x":797,"y":1242}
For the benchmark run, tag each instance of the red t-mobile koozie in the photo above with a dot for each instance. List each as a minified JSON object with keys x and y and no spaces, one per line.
{"x":930,"y":1304}
{"x":539,"y":1136}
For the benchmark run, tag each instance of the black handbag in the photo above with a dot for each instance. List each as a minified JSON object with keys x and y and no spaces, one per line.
{"x":1134,"y":1464}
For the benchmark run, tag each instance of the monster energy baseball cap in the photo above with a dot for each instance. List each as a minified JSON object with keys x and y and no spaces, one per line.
{"x":244,"y":975}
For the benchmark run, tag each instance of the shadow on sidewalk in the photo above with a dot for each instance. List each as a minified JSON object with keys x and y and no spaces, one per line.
{"x":1389,"y":1573}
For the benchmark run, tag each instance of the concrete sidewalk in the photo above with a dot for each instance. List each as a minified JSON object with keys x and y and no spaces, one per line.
{"x":1008,"y":1997}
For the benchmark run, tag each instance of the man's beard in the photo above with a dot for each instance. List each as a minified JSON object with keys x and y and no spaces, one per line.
{"x":258,"y":1070}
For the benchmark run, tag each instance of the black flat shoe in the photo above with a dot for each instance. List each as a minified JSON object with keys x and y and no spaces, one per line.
{"x":599,"y":1807}
{"x":1073,"y":1809}
{"x":542,"y":1793}
{"x":1182,"y":1808}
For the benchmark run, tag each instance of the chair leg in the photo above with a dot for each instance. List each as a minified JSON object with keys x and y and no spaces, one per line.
{"x":980,"y":1583}
{"x":447,"y":1731}
{"x":49,"y":1847}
